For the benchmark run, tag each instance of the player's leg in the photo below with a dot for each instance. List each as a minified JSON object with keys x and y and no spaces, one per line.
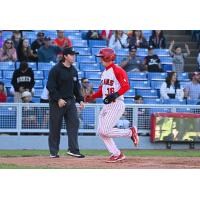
{"x":55,"y":122}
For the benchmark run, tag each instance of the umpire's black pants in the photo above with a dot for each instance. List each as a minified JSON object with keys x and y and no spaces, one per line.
{"x":69,"y":112}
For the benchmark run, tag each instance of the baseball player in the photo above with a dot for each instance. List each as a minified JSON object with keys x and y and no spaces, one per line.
{"x":114,"y":83}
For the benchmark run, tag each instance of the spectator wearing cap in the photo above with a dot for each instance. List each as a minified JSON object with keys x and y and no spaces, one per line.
{"x":61,"y":40}
{"x":48,"y":52}
{"x":24,"y":51}
{"x":192,"y":89}
{"x":137,"y":39}
{"x":133,"y":62}
{"x":178,"y":57}
{"x":152,"y":61}
{"x":26,"y":97}
{"x":157,"y":39}
{"x":64,"y":91}
{"x":3,"y":94}
{"x":22,"y":80}
{"x":8,"y":51}
{"x":37,"y":44}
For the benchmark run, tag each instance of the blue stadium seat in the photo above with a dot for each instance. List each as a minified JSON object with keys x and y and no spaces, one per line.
{"x":152,"y":101}
{"x":38,"y":92}
{"x":38,"y":84}
{"x":46,"y":74}
{"x":130,"y":93}
{"x":119,"y":59}
{"x":1,"y":74}
{"x":83,"y":51}
{"x":162,"y":52}
{"x":167,"y":67}
{"x":45,"y":66}
{"x":72,"y":32}
{"x":142,"y":52}
{"x":86,"y":59}
{"x":122,"y":52}
{"x":140,"y":84}
{"x":10,"y":99}
{"x":174,"y":101}
{"x":6,"y":35}
{"x":162,"y":110}
{"x":193,"y":101}
{"x":147,"y":34}
{"x":36,"y":99}
{"x":97,"y":43}
{"x":137,"y":75}
{"x":150,"y":93}
{"x":93,"y":75}
{"x":95,"y":83}
{"x":187,"y":110}
{"x":7,"y":66}
{"x":29,"y":34}
{"x":7,"y":82}
{"x":89,"y":67}
{"x":32,"y":65}
{"x":183,"y":76}
{"x":95,"y":50}
{"x":156,"y":84}
{"x":79,"y":43}
{"x":7,"y":74}
{"x":184,"y":83}
{"x":99,"y":100}
{"x":157,"y":76}
{"x":81,"y":74}
{"x":38,"y":74}
{"x":166,"y":60}
{"x":50,"y":33}
{"x":128,"y":100}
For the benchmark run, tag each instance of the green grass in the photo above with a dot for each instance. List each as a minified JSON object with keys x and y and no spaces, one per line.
{"x":178,"y":153}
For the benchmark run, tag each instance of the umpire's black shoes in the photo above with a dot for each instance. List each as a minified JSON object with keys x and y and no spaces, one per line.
{"x":54,"y":156}
{"x":77,"y":155}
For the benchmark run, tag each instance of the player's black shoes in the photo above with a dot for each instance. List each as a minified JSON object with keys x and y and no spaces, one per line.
{"x":77,"y":155}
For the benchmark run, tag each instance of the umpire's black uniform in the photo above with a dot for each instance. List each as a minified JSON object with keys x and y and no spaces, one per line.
{"x":63,"y":84}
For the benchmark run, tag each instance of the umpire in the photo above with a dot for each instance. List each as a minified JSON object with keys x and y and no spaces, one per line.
{"x":64,"y":91}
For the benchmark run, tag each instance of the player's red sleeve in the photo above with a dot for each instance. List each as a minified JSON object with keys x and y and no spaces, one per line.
{"x":122,"y":77}
{"x":98,"y":93}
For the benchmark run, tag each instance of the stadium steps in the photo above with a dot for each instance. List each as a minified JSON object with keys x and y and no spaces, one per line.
{"x":181,"y":37}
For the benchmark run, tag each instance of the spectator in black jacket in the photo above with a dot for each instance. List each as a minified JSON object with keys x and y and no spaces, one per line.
{"x":157,"y":39}
{"x":22,"y":80}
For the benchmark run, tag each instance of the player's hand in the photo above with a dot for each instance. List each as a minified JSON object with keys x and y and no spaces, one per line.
{"x":61,"y":103}
{"x":110,"y":98}
{"x":88,"y":98}
{"x":82,"y":105}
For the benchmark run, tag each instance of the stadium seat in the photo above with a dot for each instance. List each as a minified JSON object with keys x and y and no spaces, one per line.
{"x":81,"y":74}
{"x":187,"y":110}
{"x":99,"y":100}
{"x":89,"y":67}
{"x":130,"y":93}
{"x":122,"y":52}
{"x":119,"y":59}
{"x":167,"y":67}
{"x":83,"y":51}
{"x":29,"y":35}
{"x":161,"y":52}
{"x":32,"y":65}
{"x":137,"y":75}
{"x":152,"y":101}
{"x":38,"y":74}
{"x":156,"y":84}
{"x":93,"y":75}
{"x":147,"y":93}
{"x":184,"y":83}
{"x":95,"y":50}
{"x":128,"y":100}
{"x":36,"y":99}
{"x":147,"y":34}
{"x":183,"y":76}
{"x":142,"y":52}
{"x":95,"y":83}
{"x":157,"y":76}
{"x":7,"y":82}
{"x":166,"y":60}
{"x":193,"y":101}
{"x":140,"y":84}
{"x":38,"y":92}
{"x":79,"y":43}
{"x":46,"y":74}
{"x":1,"y":74}
{"x":45,"y":66}
{"x":97,"y":43}
{"x":156,"y":110}
{"x":6,"y":35}
{"x":174,"y":101}
{"x":50,"y":33}
{"x":86,"y":59}
{"x":7,"y":74}
{"x":10,"y":99}
{"x":7,"y":65}
{"x":38,"y":84}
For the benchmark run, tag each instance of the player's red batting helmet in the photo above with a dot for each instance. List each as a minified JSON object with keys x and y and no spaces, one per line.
{"x":107,"y":54}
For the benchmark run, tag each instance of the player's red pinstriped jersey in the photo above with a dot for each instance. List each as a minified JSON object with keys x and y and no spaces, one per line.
{"x":113,"y":79}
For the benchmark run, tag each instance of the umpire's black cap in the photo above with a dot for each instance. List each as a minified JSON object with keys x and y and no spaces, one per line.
{"x":69,"y":50}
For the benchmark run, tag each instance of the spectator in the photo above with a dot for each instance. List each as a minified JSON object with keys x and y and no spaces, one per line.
{"x":178,"y":57}
{"x":138,"y":99}
{"x":8,"y":52}
{"x":106,"y":35}
{"x":24,"y":51}
{"x":16,"y":38}
{"x":48,"y":52}
{"x":157,"y":39}
{"x":61,"y":41}
{"x":93,"y":35}
{"x":152,"y":61}
{"x":37,"y":44}
{"x":22,"y":80}
{"x":137,"y":39}
{"x":3,"y":94}
{"x":171,"y":88}
{"x":118,"y":40}
{"x":192,"y":90}
{"x":198,"y":61}
{"x":133,"y":62}
{"x":26,"y":97}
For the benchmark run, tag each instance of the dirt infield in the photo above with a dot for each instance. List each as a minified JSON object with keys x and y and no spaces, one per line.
{"x":98,"y":162}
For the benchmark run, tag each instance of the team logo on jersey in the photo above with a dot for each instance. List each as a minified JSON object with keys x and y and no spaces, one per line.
{"x":75,"y":78}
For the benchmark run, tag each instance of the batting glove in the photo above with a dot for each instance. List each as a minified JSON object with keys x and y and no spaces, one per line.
{"x":110,"y":98}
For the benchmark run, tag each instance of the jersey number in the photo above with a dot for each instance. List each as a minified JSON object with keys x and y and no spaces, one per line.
{"x":110,"y":91}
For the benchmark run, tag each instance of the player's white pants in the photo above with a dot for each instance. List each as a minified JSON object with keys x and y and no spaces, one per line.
{"x":108,"y":118}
